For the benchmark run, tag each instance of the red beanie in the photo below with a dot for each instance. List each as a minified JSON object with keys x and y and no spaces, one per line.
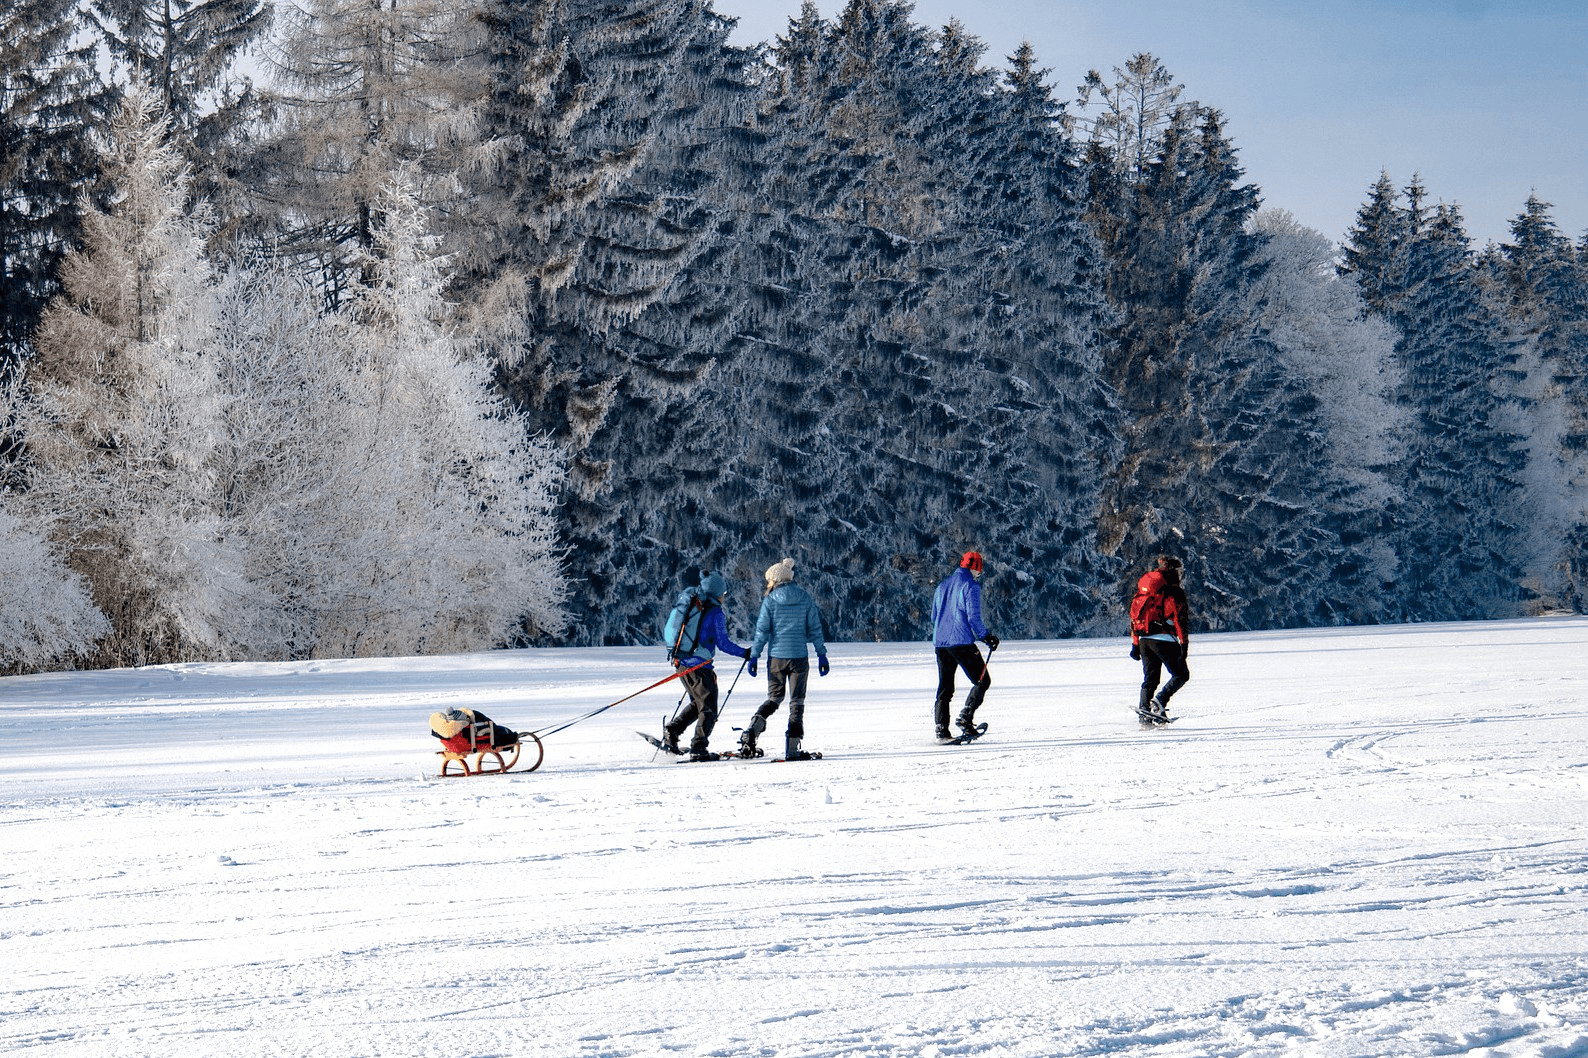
{"x":971,"y":561}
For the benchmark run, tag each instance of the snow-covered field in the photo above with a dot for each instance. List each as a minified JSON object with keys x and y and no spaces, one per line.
{"x":1355,"y":842}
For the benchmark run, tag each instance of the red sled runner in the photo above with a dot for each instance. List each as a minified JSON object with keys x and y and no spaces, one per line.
{"x":466,"y":733}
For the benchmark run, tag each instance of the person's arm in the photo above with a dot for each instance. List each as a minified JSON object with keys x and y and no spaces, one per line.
{"x":718,"y":624}
{"x":973,"y":610}
{"x":763,"y":628}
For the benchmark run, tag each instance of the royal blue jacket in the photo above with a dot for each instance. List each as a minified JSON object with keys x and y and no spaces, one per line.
{"x":956,"y":611}
{"x":789,"y":619}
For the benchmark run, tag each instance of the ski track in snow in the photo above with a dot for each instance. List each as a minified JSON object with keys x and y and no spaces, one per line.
{"x":1354,"y":842}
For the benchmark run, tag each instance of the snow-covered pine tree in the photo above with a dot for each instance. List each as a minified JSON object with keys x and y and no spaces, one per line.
{"x":50,"y":97}
{"x":914,"y":369}
{"x":128,"y":405}
{"x":1222,"y":460}
{"x":606,"y":124}
{"x":1541,"y":288}
{"x":1454,"y":531}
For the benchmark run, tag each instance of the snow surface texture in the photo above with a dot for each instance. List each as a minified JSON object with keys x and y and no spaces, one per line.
{"x":1354,"y":842}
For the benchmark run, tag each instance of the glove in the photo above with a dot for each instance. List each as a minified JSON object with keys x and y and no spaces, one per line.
{"x":821,"y":664}
{"x":1185,"y":647}
{"x":991,"y":641}
{"x":752,"y":663}
{"x":1135,"y":652}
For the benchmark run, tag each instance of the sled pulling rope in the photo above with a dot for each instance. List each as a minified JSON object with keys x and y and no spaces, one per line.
{"x":620,"y":701}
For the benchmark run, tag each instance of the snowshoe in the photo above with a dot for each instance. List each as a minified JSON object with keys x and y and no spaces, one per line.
{"x":969,"y":735}
{"x":665,"y":744}
{"x":802,"y":755}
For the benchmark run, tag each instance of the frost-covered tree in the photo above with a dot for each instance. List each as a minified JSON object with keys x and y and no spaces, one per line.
{"x":1541,"y":288}
{"x":596,"y":224}
{"x":1455,"y":529}
{"x":913,"y":367}
{"x":46,"y":616}
{"x":1220,"y":462}
{"x":127,"y":410}
{"x":50,"y":97}
{"x":365,"y":89}
{"x":1319,"y":326}
{"x":436,"y":517}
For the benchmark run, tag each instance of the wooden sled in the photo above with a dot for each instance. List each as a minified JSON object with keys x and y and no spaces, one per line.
{"x":480,"y":746}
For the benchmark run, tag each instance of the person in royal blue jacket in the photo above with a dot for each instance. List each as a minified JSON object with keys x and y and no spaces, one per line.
{"x":694,"y":631}
{"x":789,"y":620}
{"x":956,"y":625}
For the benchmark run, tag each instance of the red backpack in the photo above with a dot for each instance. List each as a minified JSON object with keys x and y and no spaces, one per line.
{"x":1147,"y":608}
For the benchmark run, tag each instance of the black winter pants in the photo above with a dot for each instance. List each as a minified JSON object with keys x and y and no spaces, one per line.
{"x":785,"y":676}
{"x":965,"y":657}
{"x":1157,"y":655}
{"x":702,"y":687}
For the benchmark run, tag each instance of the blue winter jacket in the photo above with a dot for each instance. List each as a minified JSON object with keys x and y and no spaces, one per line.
{"x":956,"y":611}
{"x":789,"y":619}
{"x":713,"y":634}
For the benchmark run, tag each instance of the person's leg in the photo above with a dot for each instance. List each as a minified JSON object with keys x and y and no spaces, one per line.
{"x":1179,"y":672}
{"x":799,"y":671}
{"x":1151,"y":672}
{"x":970,"y":660}
{"x":946,"y":664}
{"x":702,"y":685}
{"x":776,"y":688}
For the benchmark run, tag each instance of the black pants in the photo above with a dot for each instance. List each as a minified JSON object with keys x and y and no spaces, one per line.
{"x":965,"y":657}
{"x":702,"y":687}
{"x":1157,"y":655}
{"x":784,"y":677}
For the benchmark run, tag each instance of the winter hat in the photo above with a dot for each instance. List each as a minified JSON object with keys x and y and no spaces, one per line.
{"x":780,"y":573}
{"x":449,"y":723}
{"x":713,"y":584}
{"x":971,"y":561}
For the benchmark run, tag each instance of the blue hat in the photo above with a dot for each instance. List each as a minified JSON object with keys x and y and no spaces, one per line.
{"x":713,"y":584}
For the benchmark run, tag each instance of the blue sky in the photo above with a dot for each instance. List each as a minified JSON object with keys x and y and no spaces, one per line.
{"x":1486,"y":100}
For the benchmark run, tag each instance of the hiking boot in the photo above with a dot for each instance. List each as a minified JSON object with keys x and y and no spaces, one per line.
{"x":747,"y":748}
{"x":699,"y":753}
{"x":1158,"y":709}
{"x":967,"y":724}
{"x":945,"y":735}
{"x":670,"y":741}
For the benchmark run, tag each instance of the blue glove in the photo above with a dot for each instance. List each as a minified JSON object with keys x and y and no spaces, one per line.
{"x":821,"y":664}
{"x":752,"y":663}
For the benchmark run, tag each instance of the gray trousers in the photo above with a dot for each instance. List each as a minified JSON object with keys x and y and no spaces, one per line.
{"x":785,"y":677}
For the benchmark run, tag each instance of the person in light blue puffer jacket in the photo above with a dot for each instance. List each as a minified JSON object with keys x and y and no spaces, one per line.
{"x":789,"y":619}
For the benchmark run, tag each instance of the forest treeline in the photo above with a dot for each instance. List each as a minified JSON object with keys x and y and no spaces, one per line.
{"x":462,"y":323}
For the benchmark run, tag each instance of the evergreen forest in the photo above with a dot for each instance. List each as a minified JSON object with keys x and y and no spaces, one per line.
{"x":339,"y":328}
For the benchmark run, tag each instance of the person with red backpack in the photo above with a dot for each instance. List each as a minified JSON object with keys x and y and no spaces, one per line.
{"x":1159,"y":637}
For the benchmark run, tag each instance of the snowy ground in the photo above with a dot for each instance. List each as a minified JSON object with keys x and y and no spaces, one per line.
{"x":1361,"y":842}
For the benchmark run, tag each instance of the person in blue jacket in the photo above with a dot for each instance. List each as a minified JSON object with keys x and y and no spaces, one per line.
{"x":695,"y":630}
{"x":956,"y":625}
{"x":789,"y":619}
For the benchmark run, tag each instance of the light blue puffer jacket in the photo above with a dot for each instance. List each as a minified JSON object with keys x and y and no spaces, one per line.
{"x":789,"y":619}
